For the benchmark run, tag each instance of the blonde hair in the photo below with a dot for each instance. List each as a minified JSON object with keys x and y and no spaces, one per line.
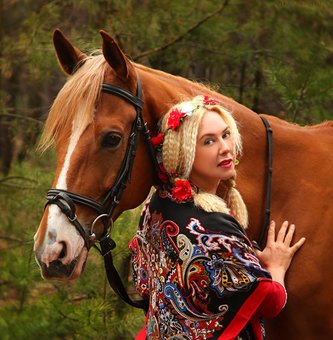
{"x":178,"y":153}
{"x":75,"y":101}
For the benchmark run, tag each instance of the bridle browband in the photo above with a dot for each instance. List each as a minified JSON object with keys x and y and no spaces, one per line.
{"x":66,"y":200}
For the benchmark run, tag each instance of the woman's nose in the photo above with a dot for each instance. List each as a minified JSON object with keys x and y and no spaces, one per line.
{"x":224,"y":146}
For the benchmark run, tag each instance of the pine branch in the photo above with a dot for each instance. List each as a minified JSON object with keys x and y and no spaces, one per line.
{"x":301,"y":97}
{"x":182,"y":36}
{"x":15,"y":115}
{"x":4,"y":180}
{"x":11,"y":239}
{"x":7,"y":239}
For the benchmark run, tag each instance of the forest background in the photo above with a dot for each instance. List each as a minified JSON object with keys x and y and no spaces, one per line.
{"x":274,"y":57}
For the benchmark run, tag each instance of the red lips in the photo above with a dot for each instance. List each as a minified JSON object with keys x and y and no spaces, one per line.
{"x":226,"y":162}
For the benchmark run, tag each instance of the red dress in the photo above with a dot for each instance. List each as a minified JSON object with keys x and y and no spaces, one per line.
{"x":200,"y":274}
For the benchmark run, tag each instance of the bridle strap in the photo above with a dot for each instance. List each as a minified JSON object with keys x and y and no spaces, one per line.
{"x":267,"y":216}
{"x":67,"y":207}
{"x":124,"y":175}
{"x":117,"y":285}
{"x":136,"y":101}
{"x":76,"y":198}
{"x":65,"y":200}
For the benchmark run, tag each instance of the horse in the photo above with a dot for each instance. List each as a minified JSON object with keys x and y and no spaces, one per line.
{"x":92,"y":128}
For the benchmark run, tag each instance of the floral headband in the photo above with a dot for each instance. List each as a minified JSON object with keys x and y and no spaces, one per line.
{"x":181,"y":189}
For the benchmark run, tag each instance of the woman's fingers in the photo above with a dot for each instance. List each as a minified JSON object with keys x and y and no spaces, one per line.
{"x":282,"y":232}
{"x":278,"y":252}
{"x":271,"y":234}
{"x":289,"y":235}
{"x":297,"y":245}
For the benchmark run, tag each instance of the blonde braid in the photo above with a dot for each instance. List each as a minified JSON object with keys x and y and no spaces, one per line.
{"x":171,"y":151}
{"x":236,"y":204}
{"x":189,"y":142}
{"x":210,"y":202}
{"x":178,"y":150}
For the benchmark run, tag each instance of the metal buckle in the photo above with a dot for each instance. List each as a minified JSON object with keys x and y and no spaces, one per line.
{"x":92,"y":235}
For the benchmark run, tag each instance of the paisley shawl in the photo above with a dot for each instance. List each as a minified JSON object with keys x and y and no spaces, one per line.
{"x":200,"y":274}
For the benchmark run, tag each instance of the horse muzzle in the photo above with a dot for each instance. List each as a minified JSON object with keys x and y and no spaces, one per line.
{"x":57,"y":270}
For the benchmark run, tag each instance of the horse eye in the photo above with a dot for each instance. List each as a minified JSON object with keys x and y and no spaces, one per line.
{"x":111,"y":140}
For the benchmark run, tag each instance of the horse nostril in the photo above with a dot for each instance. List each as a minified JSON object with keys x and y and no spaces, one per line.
{"x":63,"y":251}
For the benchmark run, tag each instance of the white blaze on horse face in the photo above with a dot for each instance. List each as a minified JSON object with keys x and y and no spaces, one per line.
{"x":75,"y":136}
{"x":59,"y":231}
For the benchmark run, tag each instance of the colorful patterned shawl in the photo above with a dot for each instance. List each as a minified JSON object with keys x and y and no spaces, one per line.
{"x":200,"y":274}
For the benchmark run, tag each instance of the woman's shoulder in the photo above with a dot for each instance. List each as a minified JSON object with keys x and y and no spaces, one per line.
{"x":186,"y":212}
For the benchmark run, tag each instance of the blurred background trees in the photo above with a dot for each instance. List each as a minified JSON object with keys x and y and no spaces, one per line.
{"x":273,"y":56}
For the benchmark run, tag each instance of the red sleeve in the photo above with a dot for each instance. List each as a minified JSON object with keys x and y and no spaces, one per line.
{"x":267,"y":300}
{"x":274,"y":301}
{"x":142,"y":335}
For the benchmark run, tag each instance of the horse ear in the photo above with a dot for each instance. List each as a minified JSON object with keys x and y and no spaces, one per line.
{"x":115,"y":57}
{"x":68,"y":55}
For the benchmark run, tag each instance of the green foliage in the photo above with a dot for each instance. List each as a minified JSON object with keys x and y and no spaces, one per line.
{"x":31,"y":308}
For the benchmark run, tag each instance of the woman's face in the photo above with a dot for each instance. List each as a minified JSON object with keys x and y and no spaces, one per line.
{"x":214,"y":156}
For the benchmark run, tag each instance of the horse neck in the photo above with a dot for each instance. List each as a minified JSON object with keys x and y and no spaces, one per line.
{"x":162,"y":90}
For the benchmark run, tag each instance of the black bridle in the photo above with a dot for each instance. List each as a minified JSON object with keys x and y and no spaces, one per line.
{"x":66,"y":200}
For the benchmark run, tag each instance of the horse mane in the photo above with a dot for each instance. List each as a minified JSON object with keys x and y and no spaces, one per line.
{"x":176,"y":79}
{"x":76,"y":101}
{"x":191,"y":87}
{"x":328,"y":124}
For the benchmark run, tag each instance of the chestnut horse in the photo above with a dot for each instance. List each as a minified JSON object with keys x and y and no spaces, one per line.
{"x":91,"y":129}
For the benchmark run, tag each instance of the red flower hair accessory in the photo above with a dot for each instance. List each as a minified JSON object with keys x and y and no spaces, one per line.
{"x":182,"y":190}
{"x":175,"y":118}
{"x":162,"y":173}
{"x":157,"y":140}
{"x":210,"y":101}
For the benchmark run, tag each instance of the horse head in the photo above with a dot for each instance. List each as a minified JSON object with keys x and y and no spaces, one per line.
{"x":91,"y":130}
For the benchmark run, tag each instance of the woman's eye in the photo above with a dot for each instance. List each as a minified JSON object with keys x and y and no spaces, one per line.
{"x":111,"y":140}
{"x":208,"y":141}
{"x":227,"y":134}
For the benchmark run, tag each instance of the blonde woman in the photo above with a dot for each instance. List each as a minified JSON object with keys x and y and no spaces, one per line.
{"x":191,"y":256}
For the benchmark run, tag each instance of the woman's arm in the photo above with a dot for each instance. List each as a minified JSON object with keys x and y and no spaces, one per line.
{"x":278,"y":253}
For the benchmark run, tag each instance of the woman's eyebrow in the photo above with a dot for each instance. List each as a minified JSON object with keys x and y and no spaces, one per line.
{"x":213,"y":134}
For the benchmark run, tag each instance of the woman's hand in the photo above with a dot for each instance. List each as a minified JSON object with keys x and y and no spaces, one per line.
{"x":277,"y":255}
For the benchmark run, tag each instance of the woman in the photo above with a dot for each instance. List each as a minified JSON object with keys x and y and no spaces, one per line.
{"x":191,"y":256}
